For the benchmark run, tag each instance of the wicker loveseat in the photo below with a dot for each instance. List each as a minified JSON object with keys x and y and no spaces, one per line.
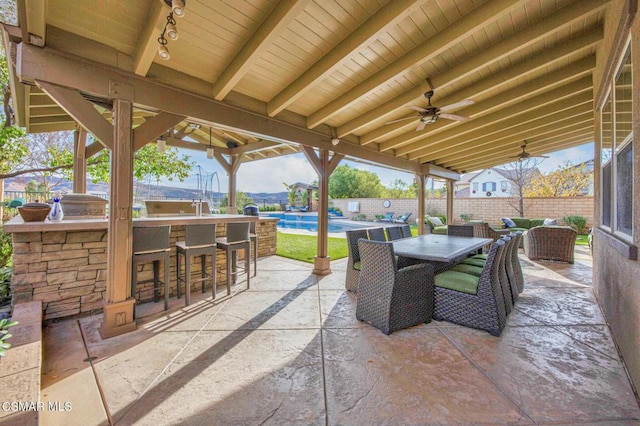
{"x":522,"y":223}
{"x":550,"y":243}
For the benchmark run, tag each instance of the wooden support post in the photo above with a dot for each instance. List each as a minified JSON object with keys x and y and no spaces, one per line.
{"x":323,"y":166}
{"x":421,"y":180}
{"x":231,"y":167}
{"x":79,"y":161}
{"x":119,"y":305}
{"x":449,"y":202}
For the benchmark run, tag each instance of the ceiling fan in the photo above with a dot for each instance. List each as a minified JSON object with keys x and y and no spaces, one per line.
{"x":431,"y":113}
{"x":524,"y":155}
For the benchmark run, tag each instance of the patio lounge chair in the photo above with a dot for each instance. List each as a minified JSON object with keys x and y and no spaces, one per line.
{"x":550,"y":243}
{"x":388,"y":217}
{"x":402,"y":219}
{"x":391,"y":299}
{"x":472,"y":301}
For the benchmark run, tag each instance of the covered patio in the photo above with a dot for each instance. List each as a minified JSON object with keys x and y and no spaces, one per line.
{"x":290,"y":351}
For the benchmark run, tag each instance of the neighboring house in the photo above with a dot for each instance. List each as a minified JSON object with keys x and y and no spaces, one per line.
{"x":303,"y":195}
{"x":493,"y":182}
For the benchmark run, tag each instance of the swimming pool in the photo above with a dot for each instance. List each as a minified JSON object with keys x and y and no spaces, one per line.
{"x":309,"y":222}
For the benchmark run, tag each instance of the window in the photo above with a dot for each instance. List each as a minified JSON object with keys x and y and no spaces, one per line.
{"x":617,"y":152}
{"x":503,"y":186}
{"x":489,"y":186}
{"x":475,"y":187}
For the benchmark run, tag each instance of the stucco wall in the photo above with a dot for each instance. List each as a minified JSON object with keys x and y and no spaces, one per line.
{"x":615,"y":278}
{"x":488,"y":209}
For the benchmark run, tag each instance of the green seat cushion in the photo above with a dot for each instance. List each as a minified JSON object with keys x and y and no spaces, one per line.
{"x":458,"y":281}
{"x":482,"y":256}
{"x":517,"y":229}
{"x":474,"y":262}
{"x":356,"y":265}
{"x":468,"y":269}
{"x":442,"y":230}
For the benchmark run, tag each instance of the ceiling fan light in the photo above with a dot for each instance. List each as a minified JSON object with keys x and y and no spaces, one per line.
{"x":163,"y":52}
{"x":172,"y":31}
{"x":177,"y":7}
{"x":335,"y":141}
{"x":210,"y":153}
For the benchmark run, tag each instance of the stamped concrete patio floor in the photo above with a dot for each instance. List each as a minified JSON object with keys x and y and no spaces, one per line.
{"x":290,"y":351}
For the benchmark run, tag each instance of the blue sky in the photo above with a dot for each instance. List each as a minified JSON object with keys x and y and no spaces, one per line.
{"x":269,"y":175}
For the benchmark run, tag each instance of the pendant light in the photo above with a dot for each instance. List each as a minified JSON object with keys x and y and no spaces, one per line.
{"x":210,"y":147}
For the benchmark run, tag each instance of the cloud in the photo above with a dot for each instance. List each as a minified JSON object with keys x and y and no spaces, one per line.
{"x":268,"y":175}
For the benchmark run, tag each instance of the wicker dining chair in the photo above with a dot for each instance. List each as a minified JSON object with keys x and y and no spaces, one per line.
{"x":406,"y":231}
{"x":389,"y":298}
{"x":460,"y":230}
{"x":376,"y":234}
{"x":471,"y":301}
{"x":515,"y":261}
{"x":505,"y":281}
{"x":353,"y":262}
{"x":394,"y":233}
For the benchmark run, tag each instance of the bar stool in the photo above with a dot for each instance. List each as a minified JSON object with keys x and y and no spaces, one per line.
{"x":237,"y":239}
{"x":199,"y":241}
{"x":253,"y":236}
{"x":151,"y":244}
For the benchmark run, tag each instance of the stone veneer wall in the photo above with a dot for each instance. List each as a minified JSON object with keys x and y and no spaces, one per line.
{"x":488,"y":209}
{"x":66,"y":270}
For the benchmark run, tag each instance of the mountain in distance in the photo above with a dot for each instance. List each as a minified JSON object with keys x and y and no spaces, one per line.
{"x":142,"y":191}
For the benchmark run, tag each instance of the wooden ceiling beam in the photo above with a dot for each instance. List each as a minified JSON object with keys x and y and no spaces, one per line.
{"x":269,"y":30}
{"x":561,"y":19}
{"x":390,"y":14}
{"x":504,"y":100}
{"x":154,"y":127}
{"x":148,"y":43}
{"x":544,"y":59}
{"x":480,"y":148}
{"x":571,"y":141}
{"x":97,"y":79}
{"x":566,"y":108}
{"x":81,"y":110}
{"x":441,"y":41}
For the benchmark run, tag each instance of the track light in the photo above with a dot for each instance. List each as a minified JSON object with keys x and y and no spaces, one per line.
{"x":171,"y":30}
{"x":177,"y":7}
{"x":210,"y":148}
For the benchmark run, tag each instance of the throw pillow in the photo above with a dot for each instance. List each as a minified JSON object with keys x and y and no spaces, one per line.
{"x":548,"y":221}
{"x":508,"y":223}
{"x":436,"y":221}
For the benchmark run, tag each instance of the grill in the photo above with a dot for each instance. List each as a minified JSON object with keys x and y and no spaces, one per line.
{"x":251,"y":209}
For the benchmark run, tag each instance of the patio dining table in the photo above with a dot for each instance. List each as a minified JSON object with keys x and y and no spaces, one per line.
{"x":438,"y":248}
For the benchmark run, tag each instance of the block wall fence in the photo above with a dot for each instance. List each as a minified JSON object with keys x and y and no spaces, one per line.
{"x":488,"y":209}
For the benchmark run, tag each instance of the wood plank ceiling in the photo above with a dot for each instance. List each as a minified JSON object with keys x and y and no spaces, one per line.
{"x":351,"y":69}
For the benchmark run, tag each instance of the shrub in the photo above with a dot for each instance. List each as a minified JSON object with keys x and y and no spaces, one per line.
{"x":359,"y":216}
{"x":466,"y":217}
{"x":6,"y":249}
{"x":5,"y":282}
{"x":578,"y":223}
{"x":4,"y":335}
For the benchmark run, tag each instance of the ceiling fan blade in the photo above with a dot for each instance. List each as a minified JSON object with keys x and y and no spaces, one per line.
{"x":401,"y":119}
{"x":417,"y":108}
{"x":421,"y":126}
{"x":462,"y":103}
{"x":454,"y":117}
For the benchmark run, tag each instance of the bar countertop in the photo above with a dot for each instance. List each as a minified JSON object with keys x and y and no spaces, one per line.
{"x":17,"y":225}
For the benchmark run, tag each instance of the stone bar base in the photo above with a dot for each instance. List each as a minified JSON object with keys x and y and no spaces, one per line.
{"x":322,"y":265}
{"x":117,"y":318}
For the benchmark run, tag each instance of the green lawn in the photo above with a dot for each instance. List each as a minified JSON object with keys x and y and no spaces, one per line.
{"x":305,"y":247}
{"x":582,"y":240}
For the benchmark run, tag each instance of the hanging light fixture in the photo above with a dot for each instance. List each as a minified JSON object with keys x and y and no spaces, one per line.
{"x":163,"y":51}
{"x":210,"y":147}
{"x":172,"y":31}
{"x":177,"y":7}
{"x":161,"y":144}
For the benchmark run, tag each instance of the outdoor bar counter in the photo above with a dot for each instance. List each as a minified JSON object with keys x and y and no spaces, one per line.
{"x":64,"y":264}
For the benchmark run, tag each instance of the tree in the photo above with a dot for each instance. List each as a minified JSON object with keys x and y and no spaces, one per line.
{"x":566,"y":181}
{"x":401,"y":189}
{"x":520,"y":173}
{"x":347,"y":182}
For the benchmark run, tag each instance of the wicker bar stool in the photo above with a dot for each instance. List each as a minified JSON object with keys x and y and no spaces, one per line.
{"x":199,"y":241}
{"x":237,"y":239}
{"x":151,"y":244}
{"x":253,"y":237}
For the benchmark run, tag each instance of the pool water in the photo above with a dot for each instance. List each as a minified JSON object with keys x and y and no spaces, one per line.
{"x":309,"y":222}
